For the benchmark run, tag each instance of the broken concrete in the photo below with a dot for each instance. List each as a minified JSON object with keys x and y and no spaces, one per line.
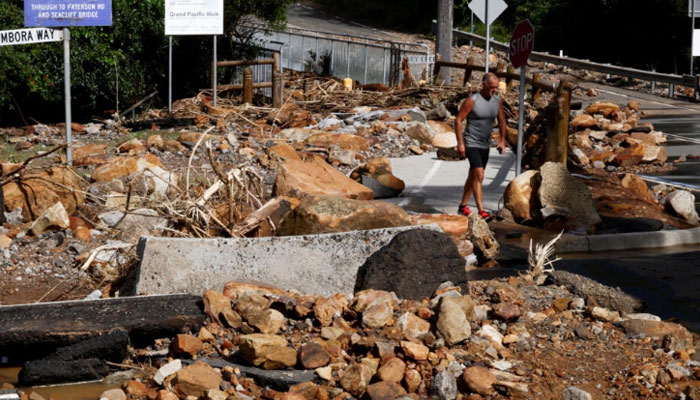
{"x":319,"y":264}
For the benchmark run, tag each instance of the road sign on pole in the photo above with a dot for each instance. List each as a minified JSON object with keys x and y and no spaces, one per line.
{"x":31,"y":35}
{"x":66,"y":13}
{"x":521,"y":44}
{"x":487,"y":11}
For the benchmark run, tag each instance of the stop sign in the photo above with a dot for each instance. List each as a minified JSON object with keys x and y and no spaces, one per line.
{"x":522,"y":43}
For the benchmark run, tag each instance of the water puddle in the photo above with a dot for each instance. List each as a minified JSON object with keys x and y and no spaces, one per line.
{"x":80,"y":391}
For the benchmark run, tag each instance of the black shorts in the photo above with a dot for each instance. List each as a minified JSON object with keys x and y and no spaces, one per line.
{"x":477,"y":157}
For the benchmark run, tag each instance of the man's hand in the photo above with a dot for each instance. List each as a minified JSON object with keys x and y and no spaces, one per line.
{"x":462,"y":150}
{"x":501,"y":147}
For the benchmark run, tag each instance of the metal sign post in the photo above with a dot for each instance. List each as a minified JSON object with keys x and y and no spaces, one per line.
{"x":213,"y":73}
{"x":66,"y":76}
{"x":692,"y":31}
{"x":487,"y":11}
{"x":170,"y":74}
{"x":521,"y":45}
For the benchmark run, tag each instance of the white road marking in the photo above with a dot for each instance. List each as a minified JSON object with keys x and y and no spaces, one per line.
{"x":422,"y":183}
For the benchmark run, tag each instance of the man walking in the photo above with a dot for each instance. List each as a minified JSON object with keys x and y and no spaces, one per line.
{"x":480,"y":110}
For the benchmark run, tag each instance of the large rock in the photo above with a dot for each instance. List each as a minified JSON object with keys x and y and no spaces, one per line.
{"x":122,"y":166}
{"x":451,"y":224}
{"x":605,"y":296}
{"x":654,"y":154}
{"x":316,"y":177}
{"x":412,"y":326}
{"x":54,"y":216}
{"x":520,"y":197}
{"x":481,"y":236}
{"x":413,"y":265}
{"x":479,"y":379}
{"x":583,"y":121}
{"x":682,"y":203}
{"x":270,"y":351}
{"x":356,"y":379}
{"x":89,"y":154}
{"x":606,"y":109}
{"x":376,"y":174}
{"x":452,"y":323}
{"x":385,"y":391}
{"x":196,"y":380}
{"x":444,"y":136}
{"x":637,"y":185}
{"x":561,"y":191}
{"x":345,"y":141}
{"x":218,"y":308}
{"x":38,"y":191}
{"x":420,"y":132}
{"x":675,"y":337}
{"x":326,"y":214}
{"x":137,"y":223}
{"x":444,"y":386}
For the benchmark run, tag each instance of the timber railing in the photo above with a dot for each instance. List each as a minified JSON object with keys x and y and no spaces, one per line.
{"x":248,"y":85}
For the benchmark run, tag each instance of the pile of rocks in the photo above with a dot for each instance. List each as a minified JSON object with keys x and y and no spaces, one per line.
{"x":608,"y":137}
{"x":509,"y":337}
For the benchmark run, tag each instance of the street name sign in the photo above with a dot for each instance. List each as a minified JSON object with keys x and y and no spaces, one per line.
{"x":495,"y":8}
{"x":67,"y":13}
{"x":420,"y":59}
{"x":194,"y":17}
{"x":31,"y":35}
{"x":521,"y":43}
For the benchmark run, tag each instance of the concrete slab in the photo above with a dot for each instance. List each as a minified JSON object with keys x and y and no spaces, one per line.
{"x":314,"y":264}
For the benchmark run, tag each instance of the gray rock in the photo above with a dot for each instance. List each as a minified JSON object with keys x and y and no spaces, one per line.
{"x":481,"y":236}
{"x":417,"y":114}
{"x":682,"y":203}
{"x":141,"y":222}
{"x":444,"y":386}
{"x":559,"y":190}
{"x":605,"y":296}
{"x":574,"y":393}
{"x":103,"y":188}
{"x":438,"y":113}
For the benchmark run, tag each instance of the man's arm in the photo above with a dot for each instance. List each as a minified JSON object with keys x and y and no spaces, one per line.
{"x":502,"y":128}
{"x":464,"y":111}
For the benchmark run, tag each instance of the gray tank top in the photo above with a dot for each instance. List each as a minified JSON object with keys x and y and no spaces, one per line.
{"x":480,"y":121}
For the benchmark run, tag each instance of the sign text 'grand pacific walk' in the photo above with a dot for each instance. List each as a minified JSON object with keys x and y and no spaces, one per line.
{"x":67,"y":13}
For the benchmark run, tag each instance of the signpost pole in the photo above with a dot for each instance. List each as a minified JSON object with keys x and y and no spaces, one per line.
{"x":170,"y":74}
{"x":692,"y":32}
{"x":66,"y":81}
{"x":213,"y":73}
{"x":521,"y":116}
{"x":488,"y":33}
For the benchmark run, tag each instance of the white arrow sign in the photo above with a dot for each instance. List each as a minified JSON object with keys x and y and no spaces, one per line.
{"x":32,"y":35}
{"x":496,"y":8}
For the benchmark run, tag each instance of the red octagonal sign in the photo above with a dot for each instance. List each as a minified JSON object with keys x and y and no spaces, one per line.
{"x":521,"y":43}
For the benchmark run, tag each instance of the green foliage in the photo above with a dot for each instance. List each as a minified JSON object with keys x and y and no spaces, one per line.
{"x":320,"y":67}
{"x":130,"y":56}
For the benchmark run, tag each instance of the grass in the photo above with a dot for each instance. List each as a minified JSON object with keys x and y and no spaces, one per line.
{"x":8,"y":152}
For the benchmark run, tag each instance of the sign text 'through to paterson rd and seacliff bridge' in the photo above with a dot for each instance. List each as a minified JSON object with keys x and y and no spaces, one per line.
{"x":67,"y":13}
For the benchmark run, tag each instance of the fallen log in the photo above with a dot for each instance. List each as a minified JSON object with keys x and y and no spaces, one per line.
{"x":33,"y":331}
{"x":47,"y":372}
{"x":280,"y":380}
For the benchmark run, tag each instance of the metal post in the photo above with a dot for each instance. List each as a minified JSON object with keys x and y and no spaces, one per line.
{"x":471,"y":43}
{"x":488,"y":33}
{"x":364,"y":80}
{"x":521,"y":116}
{"x":692,"y":33}
{"x":316,"y":49}
{"x":384,"y":68}
{"x":671,"y":90}
{"x":170,"y":74}
{"x":66,"y":78}
{"x":332,"y":57}
{"x":347,"y":60}
{"x":213,"y":73}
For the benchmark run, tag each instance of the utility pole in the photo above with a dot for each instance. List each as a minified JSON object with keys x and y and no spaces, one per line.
{"x":443,"y":43}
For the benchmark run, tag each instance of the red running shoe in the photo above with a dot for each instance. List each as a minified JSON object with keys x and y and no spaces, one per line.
{"x":487,"y":216}
{"x":464,"y":210}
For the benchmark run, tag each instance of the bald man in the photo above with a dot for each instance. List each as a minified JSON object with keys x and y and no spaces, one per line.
{"x":480,"y":110}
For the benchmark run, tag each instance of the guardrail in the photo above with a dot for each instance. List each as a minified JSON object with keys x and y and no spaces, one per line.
{"x":650,"y":76}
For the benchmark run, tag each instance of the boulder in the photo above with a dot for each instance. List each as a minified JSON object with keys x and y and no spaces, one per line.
{"x":190,"y":138}
{"x":316,"y":177}
{"x":196,"y":380}
{"x":633,"y":105}
{"x":326,"y":214}
{"x":137,"y":223}
{"x":452,"y":323}
{"x":420,"y":132}
{"x":314,"y":355}
{"x":89,"y":154}
{"x":481,"y":236}
{"x":607,"y":109}
{"x":132,"y":147}
{"x":326,"y":309}
{"x":36,"y":192}
{"x":559,"y":190}
{"x":479,"y":379}
{"x":385,"y":391}
{"x":413,"y":265}
{"x":444,"y":136}
{"x":682,"y":203}
{"x":376,"y":174}
{"x":444,"y":386}
{"x":54,"y":216}
{"x":412,"y":326}
{"x":122,"y":166}
{"x":113,"y":394}
{"x":356,"y":379}
{"x":654,"y":154}
{"x":629,"y":156}
{"x":392,"y":370}
{"x":635,"y":184}
{"x":345,"y":141}
{"x":155,"y":141}
{"x":453,"y":225}
{"x":583,"y":121}
{"x":520,"y":196}
{"x":268,"y":321}
{"x":675,"y":337}
{"x":173,"y":146}
{"x":270,"y":351}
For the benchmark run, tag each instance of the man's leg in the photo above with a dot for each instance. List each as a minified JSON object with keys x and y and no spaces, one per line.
{"x":477,"y":179}
{"x":467,"y":188}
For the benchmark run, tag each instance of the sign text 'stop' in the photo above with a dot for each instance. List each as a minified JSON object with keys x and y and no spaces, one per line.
{"x":67,"y":13}
{"x":521,"y":43}
{"x":495,"y":8}
{"x":187,"y":17}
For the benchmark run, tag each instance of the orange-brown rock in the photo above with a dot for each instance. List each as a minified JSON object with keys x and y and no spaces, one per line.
{"x":356,"y":379}
{"x":123,"y":166}
{"x":416,"y":351}
{"x":583,"y":121}
{"x":345,"y":141}
{"x":270,"y":351}
{"x":453,"y":225}
{"x":196,"y":380}
{"x":385,"y":391}
{"x":638,"y":186}
{"x":520,"y":197}
{"x":326,"y":308}
{"x":633,"y":105}
{"x":191,"y":137}
{"x":186,"y":344}
{"x":629,"y":156}
{"x":316,"y":177}
{"x":444,"y":136}
{"x":132,"y":147}
{"x":479,"y":379}
{"x":89,"y":154}
{"x":392,"y":370}
{"x":604,"y":108}
{"x":155,"y":141}
{"x":136,"y":389}
{"x":37,"y":192}
{"x":218,"y":308}
{"x":313,"y":355}
{"x":173,"y":146}
{"x":325,"y":214}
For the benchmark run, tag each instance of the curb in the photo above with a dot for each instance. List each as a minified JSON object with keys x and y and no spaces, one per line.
{"x":627,"y":241}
